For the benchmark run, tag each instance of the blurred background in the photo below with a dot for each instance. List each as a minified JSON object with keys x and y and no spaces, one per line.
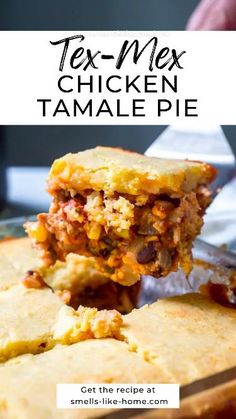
{"x":27,"y":151}
{"x":95,"y":15}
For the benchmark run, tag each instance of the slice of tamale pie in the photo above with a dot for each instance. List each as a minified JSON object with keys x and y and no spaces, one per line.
{"x":135,"y":214}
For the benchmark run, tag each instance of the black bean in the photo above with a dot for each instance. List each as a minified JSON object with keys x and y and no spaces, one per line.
{"x":108,"y":241}
{"x":104,"y":252}
{"x":146,"y":254}
{"x":109,"y":269}
{"x":30,"y":273}
{"x":43,"y":345}
{"x":147,"y":230}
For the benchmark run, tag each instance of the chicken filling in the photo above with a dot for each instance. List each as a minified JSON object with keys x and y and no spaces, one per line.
{"x":145,"y":234}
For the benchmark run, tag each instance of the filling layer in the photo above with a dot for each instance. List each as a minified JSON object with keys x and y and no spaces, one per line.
{"x":144,"y":234}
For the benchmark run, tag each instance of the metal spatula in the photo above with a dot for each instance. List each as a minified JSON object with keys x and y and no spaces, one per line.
{"x":207,"y":144}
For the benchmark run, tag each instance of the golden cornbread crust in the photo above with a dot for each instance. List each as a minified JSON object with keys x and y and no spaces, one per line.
{"x":31,"y":317}
{"x":175,"y":340}
{"x":28,"y":383}
{"x":190,"y":336}
{"x":26,"y":319}
{"x":35,"y":320}
{"x":74,"y":274}
{"x":116,"y":170}
{"x":16,"y":257}
{"x":203,"y":332}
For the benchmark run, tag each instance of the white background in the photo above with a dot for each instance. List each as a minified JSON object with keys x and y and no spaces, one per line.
{"x":29,"y":70}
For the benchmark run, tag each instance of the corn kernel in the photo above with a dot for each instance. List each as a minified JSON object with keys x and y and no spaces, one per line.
{"x":141,"y":200}
{"x":123,"y":233}
{"x":151,"y":238}
{"x":120,"y":275}
{"x":94,"y":231}
{"x":58,"y":167}
{"x":158,"y":213}
{"x":38,"y":232}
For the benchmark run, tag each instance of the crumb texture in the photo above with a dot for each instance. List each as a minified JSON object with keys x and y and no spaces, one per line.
{"x":85,"y":323}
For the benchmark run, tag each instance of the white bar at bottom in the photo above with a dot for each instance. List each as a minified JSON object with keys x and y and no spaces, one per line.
{"x":151,"y":396}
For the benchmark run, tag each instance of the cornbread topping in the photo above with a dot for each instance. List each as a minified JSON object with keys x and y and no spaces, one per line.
{"x":202,"y":331}
{"x":74,"y":274}
{"x":35,"y":320}
{"x":15,"y":262}
{"x":134,"y":214}
{"x":26,"y":318}
{"x":69,"y":344}
{"x":190,"y":336}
